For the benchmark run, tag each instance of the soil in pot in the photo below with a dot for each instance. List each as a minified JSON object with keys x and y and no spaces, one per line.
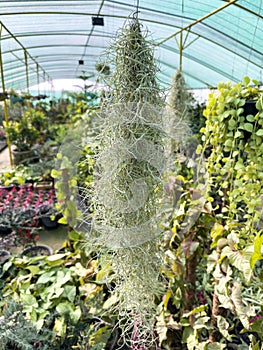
{"x":37,"y":250}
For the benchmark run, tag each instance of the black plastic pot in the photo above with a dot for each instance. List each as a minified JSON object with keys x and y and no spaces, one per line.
{"x":250,"y":108}
{"x":4,"y":231}
{"x":48,"y":224}
{"x":37,"y":250}
{"x":4,"y":255}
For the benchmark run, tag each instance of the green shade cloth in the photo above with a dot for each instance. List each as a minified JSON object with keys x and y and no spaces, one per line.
{"x":58,"y":34}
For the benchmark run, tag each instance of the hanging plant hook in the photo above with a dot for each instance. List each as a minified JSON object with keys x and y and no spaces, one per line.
{"x":135,"y":14}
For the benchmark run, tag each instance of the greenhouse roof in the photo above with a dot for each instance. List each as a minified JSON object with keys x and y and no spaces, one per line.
{"x":211,"y":41}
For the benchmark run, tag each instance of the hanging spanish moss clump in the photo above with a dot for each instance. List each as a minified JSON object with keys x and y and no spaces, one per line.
{"x":128,"y":183}
{"x":178,"y":110}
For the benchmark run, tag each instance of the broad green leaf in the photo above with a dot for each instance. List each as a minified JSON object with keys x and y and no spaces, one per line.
{"x":239,"y":259}
{"x":246,"y":81}
{"x":101,"y":336}
{"x":46,"y":277}
{"x":29,"y":300}
{"x":238,"y":134}
{"x":161,"y":328}
{"x":70,"y":292}
{"x":217,"y":231}
{"x":223,"y":326}
{"x":255,"y":257}
{"x":232,"y":124}
{"x":60,"y":326}
{"x":74,"y":236}
{"x":189,"y":337}
{"x":216,"y":346}
{"x":34,"y":269}
{"x":79,"y":270}
{"x":62,"y":277}
{"x":64,"y":308}
{"x":112,"y":300}
{"x":63,"y":221}
{"x":250,"y":118}
{"x":259,"y":104}
{"x":259,"y":132}
{"x":257,"y":254}
{"x":247,"y":127}
{"x":75,"y":314}
{"x":240,"y":308}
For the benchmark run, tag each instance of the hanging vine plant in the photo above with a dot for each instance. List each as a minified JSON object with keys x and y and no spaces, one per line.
{"x":233,"y":146}
{"x":128,"y":185}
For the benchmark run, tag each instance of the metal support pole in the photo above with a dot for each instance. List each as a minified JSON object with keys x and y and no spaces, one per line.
{"x":197,"y":21}
{"x":27,"y":80}
{"x":5,"y":104}
{"x":38,"y":79}
{"x":26,"y":63}
{"x":181,"y":52}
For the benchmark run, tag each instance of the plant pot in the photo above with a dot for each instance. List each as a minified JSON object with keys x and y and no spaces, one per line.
{"x":250,"y":108}
{"x":4,"y":231}
{"x":37,"y":250}
{"x":21,"y":157}
{"x":49,"y":224}
{"x":44,"y":185}
{"x":3,"y":145}
{"x":4,"y":255}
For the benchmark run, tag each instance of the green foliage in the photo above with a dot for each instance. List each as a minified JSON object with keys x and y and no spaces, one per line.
{"x":22,"y":134}
{"x":232,"y":175}
{"x":61,"y":292}
{"x":18,"y":333}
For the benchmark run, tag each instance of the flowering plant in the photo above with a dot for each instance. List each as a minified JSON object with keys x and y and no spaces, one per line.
{"x":21,"y":210}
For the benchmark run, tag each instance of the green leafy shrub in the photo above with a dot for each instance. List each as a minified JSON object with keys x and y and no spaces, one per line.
{"x":64,"y":293}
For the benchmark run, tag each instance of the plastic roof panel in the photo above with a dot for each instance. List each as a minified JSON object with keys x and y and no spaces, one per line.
{"x":220,"y":40}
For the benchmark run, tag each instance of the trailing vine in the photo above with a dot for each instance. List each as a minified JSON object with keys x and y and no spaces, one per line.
{"x":232,"y":139}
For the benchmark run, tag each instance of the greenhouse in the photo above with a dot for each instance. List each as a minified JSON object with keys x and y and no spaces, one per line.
{"x":131,"y":175}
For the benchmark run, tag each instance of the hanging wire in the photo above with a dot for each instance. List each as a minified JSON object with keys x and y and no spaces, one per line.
{"x":137,"y":6}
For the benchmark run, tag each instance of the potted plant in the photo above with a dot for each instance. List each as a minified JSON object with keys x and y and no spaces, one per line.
{"x":23,"y":136}
{"x":3,"y":142}
{"x":22,"y":212}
